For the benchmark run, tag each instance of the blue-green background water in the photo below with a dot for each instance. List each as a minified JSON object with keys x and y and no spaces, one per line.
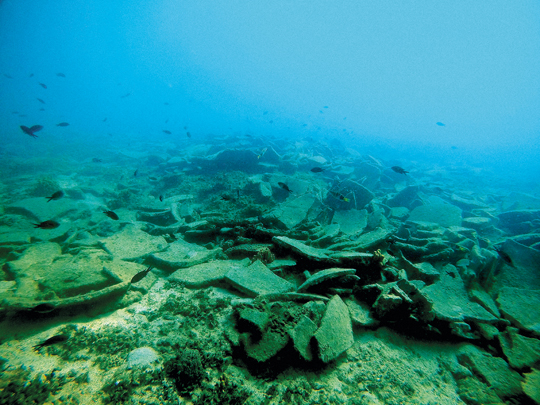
{"x":375,"y":74}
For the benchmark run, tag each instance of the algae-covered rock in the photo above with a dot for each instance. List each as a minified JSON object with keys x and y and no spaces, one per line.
{"x":521,"y":307}
{"x":521,"y":351}
{"x":205,"y":274}
{"x":301,"y":335}
{"x":257,"y":279}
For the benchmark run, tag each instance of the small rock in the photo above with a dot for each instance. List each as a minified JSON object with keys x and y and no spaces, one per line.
{"x":335,"y":333}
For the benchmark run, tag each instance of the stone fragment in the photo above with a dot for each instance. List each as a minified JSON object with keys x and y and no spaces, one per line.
{"x":467,"y":203}
{"x":451,"y":302}
{"x":302,"y":249}
{"x":335,"y":335}
{"x":373,"y":238}
{"x":351,"y":221}
{"x":323,"y":276}
{"x":266,"y":347}
{"x":132,"y":243}
{"x":531,"y":385}
{"x":293,"y":211}
{"x":301,"y":335}
{"x":443,"y":214}
{"x":521,"y":351}
{"x":257,"y":279}
{"x":518,"y":222}
{"x":360,"y":314}
{"x":422,"y":271}
{"x":38,"y":209}
{"x":404,"y":198}
{"x":159,"y":218}
{"x":521,"y":307}
{"x":205,"y":274}
{"x":505,"y":382}
{"x":255,"y":320}
{"x":180,"y":254}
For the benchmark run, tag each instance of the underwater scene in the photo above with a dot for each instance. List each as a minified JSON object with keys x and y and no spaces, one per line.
{"x":247,"y":202}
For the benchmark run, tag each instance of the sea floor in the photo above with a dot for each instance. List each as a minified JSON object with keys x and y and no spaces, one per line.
{"x":238,"y":269}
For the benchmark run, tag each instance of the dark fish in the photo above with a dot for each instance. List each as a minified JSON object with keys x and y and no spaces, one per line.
{"x":172,"y":236}
{"x":43,"y":85}
{"x":152,"y":178}
{"x":23,"y":115}
{"x":104,"y":119}
{"x":185,"y":127}
{"x":139,"y":276}
{"x":111,"y":215}
{"x":399,"y":170}
{"x":42,"y":109}
{"x":41,"y":101}
{"x":14,"y":112}
{"x":317,"y":170}
{"x":51,"y":341}
{"x":135,"y":173}
{"x":161,"y":198}
{"x":167,"y":120}
{"x":50,"y":224}
{"x":440,"y":124}
{"x":30,"y":131}
{"x":60,"y":75}
{"x":8,"y":76}
{"x":31,"y":75}
{"x":226,"y":197}
{"x":503,"y":255}
{"x":96,"y":160}
{"x":188,"y":134}
{"x":167,"y":131}
{"x":125,"y":95}
{"x":43,"y":308}
{"x":63,"y":124}
{"x":284,"y":187}
{"x":340,"y":196}
{"x":56,"y":196}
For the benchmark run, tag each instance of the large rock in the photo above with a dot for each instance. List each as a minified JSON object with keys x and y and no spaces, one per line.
{"x":293,"y":211}
{"x":519,"y":222}
{"x":521,"y":307}
{"x":404,"y":198}
{"x":335,"y":335}
{"x":132,"y":243}
{"x":521,"y":351}
{"x":531,"y":385}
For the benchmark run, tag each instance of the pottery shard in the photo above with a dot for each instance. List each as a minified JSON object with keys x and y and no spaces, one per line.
{"x":323,"y":276}
{"x":521,"y":307}
{"x":335,"y":333}
{"x":301,"y":336}
{"x":132,"y":243}
{"x":301,"y":248}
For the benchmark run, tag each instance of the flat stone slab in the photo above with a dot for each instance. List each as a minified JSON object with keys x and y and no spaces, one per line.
{"x":521,"y":307}
{"x":521,"y":351}
{"x":38,"y":209}
{"x":324,"y":275}
{"x":181,"y":254}
{"x":443,"y":214}
{"x":301,"y":335}
{"x":302,"y":249}
{"x":132,"y":243}
{"x":351,"y":221}
{"x":206,"y":274}
{"x":335,"y":334}
{"x":525,"y":273}
{"x":373,"y":238}
{"x":294,"y":210}
{"x":257,"y":279}
{"x":450,"y":299}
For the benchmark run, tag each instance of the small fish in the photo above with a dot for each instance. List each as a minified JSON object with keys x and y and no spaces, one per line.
{"x":43,"y":85}
{"x":8,"y":76}
{"x":56,"y":196}
{"x":503,"y":255}
{"x":440,"y":124}
{"x":317,"y":170}
{"x":135,"y":173}
{"x":161,"y":198}
{"x":125,"y":95}
{"x":15,"y":112}
{"x":104,"y":119}
{"x":188,"y":134}
{"x":340,"y":196}
{"x":172,"y":236}
{"x":43,"y":308}
{"x":226,"y":197}
{"x":62,"y":124}
{"x":30,"y":131}
{"x":50,"y":224}
{"x":97,"y":160}
{"x":139,"y":276}
{"x":31,"y":75}
{"x":167,"y":131}
{"x":262,"y":153}
{"x":284,"y":187}
{"x":42,"y":109}
{"x":399,"y":170}
{"x":111,"y":215}
{"x":41,"y":101}
{"x":60,"y":75}
{"x":51,"y":341}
